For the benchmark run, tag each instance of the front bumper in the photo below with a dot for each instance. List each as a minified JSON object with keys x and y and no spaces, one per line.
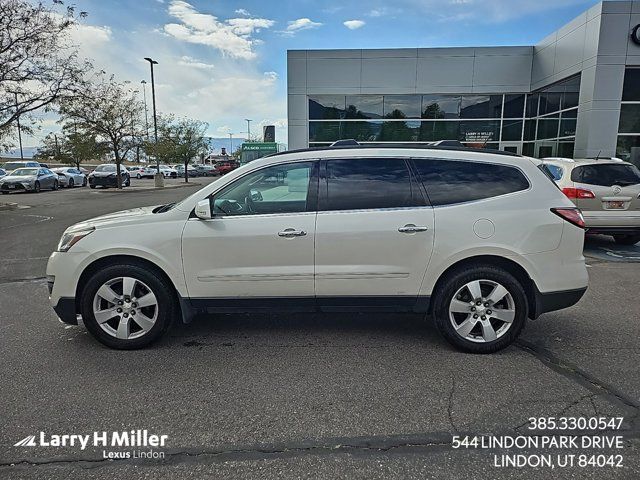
{"x":66,"y":310}
{"x":14,"y":187}
{"x":104,"y":181}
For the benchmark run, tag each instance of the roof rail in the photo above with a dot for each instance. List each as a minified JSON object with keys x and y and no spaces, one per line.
{"x":446,"y":145}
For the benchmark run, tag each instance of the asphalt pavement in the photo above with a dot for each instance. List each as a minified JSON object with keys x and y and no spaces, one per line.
{"x":301,"y":396}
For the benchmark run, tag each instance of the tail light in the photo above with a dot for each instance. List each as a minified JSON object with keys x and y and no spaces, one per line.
{"x":576,"y":193}
{"x":571,"y":215}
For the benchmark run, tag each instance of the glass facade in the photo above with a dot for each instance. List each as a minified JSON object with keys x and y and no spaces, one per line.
{"x":629,"y":127}
{"x":541,"y":123}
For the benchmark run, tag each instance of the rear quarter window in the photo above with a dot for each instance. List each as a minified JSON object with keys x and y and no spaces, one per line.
{"x":456,"y":181}
{"x":606,"y":175}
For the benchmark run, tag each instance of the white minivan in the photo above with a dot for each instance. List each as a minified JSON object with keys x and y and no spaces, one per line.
{"x":479,"y":241}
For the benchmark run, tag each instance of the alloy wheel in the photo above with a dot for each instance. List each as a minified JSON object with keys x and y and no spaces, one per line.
{"x":125,"y":308}
{"x":482,"y":311}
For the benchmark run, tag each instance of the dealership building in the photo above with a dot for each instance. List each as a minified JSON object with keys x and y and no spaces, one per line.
{"x":574,"y":94}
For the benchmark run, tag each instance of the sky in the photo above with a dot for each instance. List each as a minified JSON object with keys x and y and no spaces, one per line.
{"x":224,"y":61}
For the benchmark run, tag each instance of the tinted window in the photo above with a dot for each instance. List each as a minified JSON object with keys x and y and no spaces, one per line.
{"x":105,"y":168}
{"x":606,"y":175}
{"x":440,"y":106}
{"x":631,"y":89}
{"x":368,"y":183}
{"x":402,"y":106}
{"x":481,"y":106}
{"x":513,"y":106}
{"x":453,"y":181}
{"x":629,"y":118}
{"x":553,"y":170}
{"x":277,"y":189}
{"x":324,"y":107}
{"x":364,"y":106}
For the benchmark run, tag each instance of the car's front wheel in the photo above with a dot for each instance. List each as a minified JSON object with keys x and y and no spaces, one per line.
{"x":626,"y":239}
{"x":480,"y":309}
{"x":127,"y":306}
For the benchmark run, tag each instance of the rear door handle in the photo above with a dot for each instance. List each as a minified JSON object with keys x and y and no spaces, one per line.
{"x":411,"y":228}
{"x":291,"y":232}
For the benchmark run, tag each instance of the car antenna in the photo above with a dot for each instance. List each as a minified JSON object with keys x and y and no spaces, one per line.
{"x":598,"y":156}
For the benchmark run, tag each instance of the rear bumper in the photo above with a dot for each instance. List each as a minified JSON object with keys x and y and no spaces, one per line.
{"x":614,"y":230}
{"x":552,"y":301}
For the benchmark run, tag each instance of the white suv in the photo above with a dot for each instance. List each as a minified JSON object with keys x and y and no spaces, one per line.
{"x":480,"y":241}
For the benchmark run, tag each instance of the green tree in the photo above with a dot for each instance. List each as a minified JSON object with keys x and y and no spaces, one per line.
{"x":72,"y":147}
{"x":180,"y":141}
{"x":38,"y":62}
{"x":109,"y":110}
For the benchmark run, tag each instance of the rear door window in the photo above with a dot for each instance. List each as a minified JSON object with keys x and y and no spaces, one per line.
{"x":606,"y":175}
{"x":456,"y":181}
{"x":368,"y":183}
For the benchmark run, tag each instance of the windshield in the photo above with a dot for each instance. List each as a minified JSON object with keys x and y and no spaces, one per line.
{"x":24,"y":171}
{"x":607,"y":174}
{"x":13,"y":165}
{"x":105,"y":168}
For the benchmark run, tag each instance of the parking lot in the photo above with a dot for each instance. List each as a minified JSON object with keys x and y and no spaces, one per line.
{"x":267,"y":396}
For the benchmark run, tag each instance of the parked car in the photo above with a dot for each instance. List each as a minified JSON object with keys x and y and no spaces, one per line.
{"x":9,"y":166}
{"x":606,"y":191}
{"x":180,"y":171}
{"x":206,"y":170}
{"x":143,"y":172}
{"x":435,"y":230}
{"x":106,"y":176}
{"x":70,"y":177}
{"x":29,"y":179}
{"x":3,"y":172}
{"x":168,"y":171}
{"x":226,"y":166}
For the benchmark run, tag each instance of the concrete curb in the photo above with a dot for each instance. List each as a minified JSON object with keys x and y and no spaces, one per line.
{"x":8,"y":206}
{"x":144,"y":189}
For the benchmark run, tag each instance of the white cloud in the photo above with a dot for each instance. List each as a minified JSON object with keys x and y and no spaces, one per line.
{"x":295,"y":26}
{"x":242,"y":11}
{"x":187,"y":61}
{"x":354,"y":24}
{"x":232,"y":37}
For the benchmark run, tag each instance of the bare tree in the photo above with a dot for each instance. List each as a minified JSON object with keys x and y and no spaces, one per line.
{"x":38,"y":62}
{"x":72,"y":146}
{"x":109,"y":110}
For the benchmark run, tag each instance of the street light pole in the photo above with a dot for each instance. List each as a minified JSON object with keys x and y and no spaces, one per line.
{"x":19,"y":129}
{"x":158,"y":176}
{"x":248,"y":120}
{"x":231,"y":140}
{"x":146,"y":112}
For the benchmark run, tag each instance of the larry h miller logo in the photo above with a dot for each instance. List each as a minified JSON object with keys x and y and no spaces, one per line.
{"x":134,"y":439}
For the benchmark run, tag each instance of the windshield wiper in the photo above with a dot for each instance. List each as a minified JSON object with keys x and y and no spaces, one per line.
{"x":164,"y":208}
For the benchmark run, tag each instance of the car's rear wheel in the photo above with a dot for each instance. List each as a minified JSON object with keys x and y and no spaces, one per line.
{"x":70,"y":184}
{"x":127,"y":306}
{"x":480,"y":309}
{"x":55,"y":185}
{"x":84,"y":182}
{"x":36,"y":187}
{"x":92,"y":186}
{"x":626,"y":239}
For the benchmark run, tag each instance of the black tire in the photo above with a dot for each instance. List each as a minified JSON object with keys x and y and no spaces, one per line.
{"x":138,"y":176}
{"x":456,"y":280}
{"x":55,"y":185}
{"x":70,"y":183}
{"x":5,"y":193}
{"x":161,"y":288}
{"x":84,"y":182}
{"x":36,"y":187}
{"x":127,"y":182}
{"x":626,"y":239}
{"x":92,"y":186}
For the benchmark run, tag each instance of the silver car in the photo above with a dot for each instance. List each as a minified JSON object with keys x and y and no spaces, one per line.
{"x":607,"y":192}
{"x":29,"y":179}
{"x":70,"y":177}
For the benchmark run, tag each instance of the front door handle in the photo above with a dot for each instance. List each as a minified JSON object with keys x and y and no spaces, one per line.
{"x":411,"y":228}
{"x":291,"y":232}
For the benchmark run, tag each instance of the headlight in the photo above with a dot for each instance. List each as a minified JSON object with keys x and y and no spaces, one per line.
{"x":69,"y":239}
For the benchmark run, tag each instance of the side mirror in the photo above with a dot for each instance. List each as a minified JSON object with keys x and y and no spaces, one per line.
{"x":256,"y":196}
{"x":203,"y":210}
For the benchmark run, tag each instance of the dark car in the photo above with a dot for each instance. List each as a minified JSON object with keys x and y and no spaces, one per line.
{"x":29,"y":179}
{"x":226,"y":166}
{"x":105,"y":176}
